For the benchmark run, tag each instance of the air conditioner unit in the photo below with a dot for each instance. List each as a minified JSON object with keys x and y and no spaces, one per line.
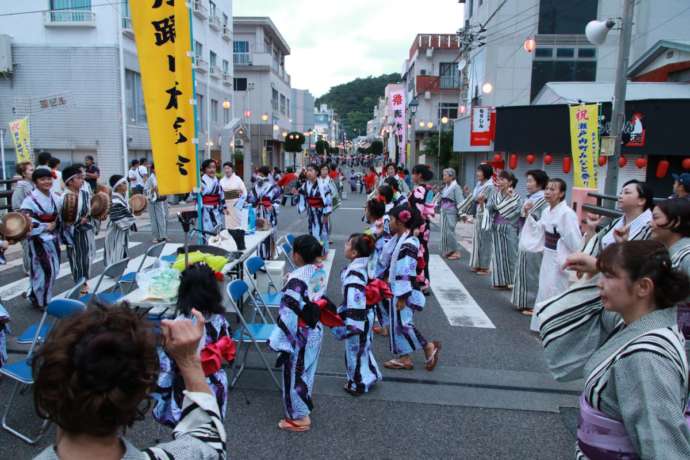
{"x":6,"y":65}
{"x":429,"y":52}
{"x":427,"y":95}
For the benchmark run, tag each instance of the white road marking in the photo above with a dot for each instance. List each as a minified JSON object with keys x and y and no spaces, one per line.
{"x":16,"y":288}
{"x":458,"y":305}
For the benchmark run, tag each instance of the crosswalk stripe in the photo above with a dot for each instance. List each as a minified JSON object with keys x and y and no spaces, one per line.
{"x":15,"y":289}
{"x":457,"y":304}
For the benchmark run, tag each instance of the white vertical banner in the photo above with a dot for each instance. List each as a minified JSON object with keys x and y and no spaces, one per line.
{"x":397,"y":106}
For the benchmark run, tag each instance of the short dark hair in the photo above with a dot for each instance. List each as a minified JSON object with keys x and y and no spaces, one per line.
{"x":415,"y":219}
{"x":509,"y":176}
{"x":199,"y":289}
{"x":393,"y":183}
{"x":539,"y":176}
{"x":95,"y":370}
{"x":43,"y":158}
{"x":677,"y":211}
{"x":376,"y":208}
{"x":228,"y":163}
{"x":647,"y":259}
{"x":143,"y":160}
{"x":134,"y":162}
{"x":207,"y":163}
{"x":644,"y":191}
{"x":308,"y":248}
{"x":563,"y":187}
{"x":362,"y":243}
{"x":88,"y":157}
{"x":265,"y":170}
{"x":386,"y":192}
{"x":114,"y":179}
{"x":54,"y":162}
{"x":424,"y":171}
{"x":486,"y":169}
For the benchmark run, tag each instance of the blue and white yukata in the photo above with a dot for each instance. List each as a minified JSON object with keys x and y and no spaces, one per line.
{"x":317,"y":199}
{"x":78,"y":237}
{"x":360,"y":364}
{"x":298,"y":344}
{"x":169,"y":394}
{"x":4,"y":330}
{"x":265,"y":197}
{"x":404,"y":336}
{"x":383,"y":251}
{"x":213,"y":204}
{"x":117,"y":232}
{"x":44,"y":245}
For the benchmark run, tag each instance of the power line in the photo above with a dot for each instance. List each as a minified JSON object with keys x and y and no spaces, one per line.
{"x":18,"y":13}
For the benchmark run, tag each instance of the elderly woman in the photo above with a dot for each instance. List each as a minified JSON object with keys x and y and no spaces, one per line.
{"x":93,"y":377}
{"x":451,"y":198}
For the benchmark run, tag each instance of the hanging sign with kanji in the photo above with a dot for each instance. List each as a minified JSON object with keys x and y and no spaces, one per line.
{"x":584,"y":139}
{"x":482,"y":126}
{"x":397,"y":108}
{"x":163,"y":38}
{"x":19,"y":129}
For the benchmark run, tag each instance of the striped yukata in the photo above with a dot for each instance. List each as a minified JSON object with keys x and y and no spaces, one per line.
{"x":44,"y":245}
{"x":422,"y":197}
{"x":404,"y":336}
{"x":680,"y":258}
{"x":360,"y":364}
{"x":636,"y":378}
{"x":4,"y":330}
{"x":385,"y":245}
{"x":504,"y":213}
{"x":298,"y":344}
{"x":21,"y":190}
{"x":78,"y":237}
{"x":213,"y":204}
{"x":526,"y":281}
{"x":158,"y":209}
{"x":481,"y":238}
{"x":317,"y":200}
{"x":265,"y":196}
{"x":121,"y":222}
{"x":199,"y":435}
{"x":451,"y":198}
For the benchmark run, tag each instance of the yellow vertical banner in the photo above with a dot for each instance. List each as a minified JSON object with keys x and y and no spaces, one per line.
{"x":584,"y":140}
{"x":162,"y":32}
{"x":19,"y":129}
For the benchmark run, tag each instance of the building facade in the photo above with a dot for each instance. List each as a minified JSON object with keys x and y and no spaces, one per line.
{"x":263,"y":94}
{"x":302,"y":110}
{"x":326,"y":125}
{"x":81,"y":57}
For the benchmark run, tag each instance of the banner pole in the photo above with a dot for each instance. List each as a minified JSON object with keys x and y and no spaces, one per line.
{"x":2,"y":153}
{"x":199,"y":207}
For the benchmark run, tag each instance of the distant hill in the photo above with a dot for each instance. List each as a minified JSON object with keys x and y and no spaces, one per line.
{"x":354,"y":101}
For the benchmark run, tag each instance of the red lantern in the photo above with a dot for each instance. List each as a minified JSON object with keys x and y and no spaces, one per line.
{"x":602,"y":160}
{"x":513,"y":162}
{"x":641,"y":162}
{"x":662,"y":169}
{"x":548,"y":159}
{"x":531,"y":158}
{"x":567,"y":164}
{"x":622,"y":161}
{"x":498,"y":157}
{"x":686,"y":164}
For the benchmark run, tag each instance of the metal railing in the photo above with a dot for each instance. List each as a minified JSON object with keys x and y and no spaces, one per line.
{"x":199,"y":9}
{"x":227,"y":78}
{"x":450,"y":82}
{"x":227,"y":33}
{"x":200,"y":64}
{"x":241,"y":58}
{"x":215,"y":71}
{"x":69,"y":17}
{"x":214,"y":22}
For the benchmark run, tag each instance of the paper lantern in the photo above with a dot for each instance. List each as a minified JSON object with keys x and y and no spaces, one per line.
{"x":641,"y":162}
{"x":567,"y":164}
{"x":513,"y":162}
{"x":622,"y":161}
{"x":662,"y":169}
{"x":548,"y":159}
{"x":602,"y":160}
{"x":686,"y":163}
{"x":531,"y":158}
{"x":499,"y":164}
{"x":498,"y":157}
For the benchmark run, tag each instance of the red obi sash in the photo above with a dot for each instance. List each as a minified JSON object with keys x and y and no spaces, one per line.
{"x":210,"y":200}
{"x":315,"y":202}
{"x":212,"y":355}
{"x":265,"y":202}
{"x":376,"y":291}
{"x":47,"y":218}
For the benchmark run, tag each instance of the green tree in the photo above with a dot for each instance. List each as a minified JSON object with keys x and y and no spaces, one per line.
{"x":431,"y":149}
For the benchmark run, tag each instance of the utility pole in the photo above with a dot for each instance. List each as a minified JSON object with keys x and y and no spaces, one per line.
{"x":618,"y":113}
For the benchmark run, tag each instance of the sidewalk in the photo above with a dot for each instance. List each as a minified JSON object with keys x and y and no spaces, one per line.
{"x":463,"y":232}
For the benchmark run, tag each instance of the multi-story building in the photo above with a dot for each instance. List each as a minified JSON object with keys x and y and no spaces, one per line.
{"x":326,"y":125}
{"x":302,"y":110}
{"x":502,"y":72}
{"x":432,"y":83}
{"x":75,"y":74}
{"x":262,"y":88}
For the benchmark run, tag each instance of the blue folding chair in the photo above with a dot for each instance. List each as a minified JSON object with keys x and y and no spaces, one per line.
{"x":21,"y":371}
{"x":290,"y":239}
{"x":29,"y":333}
{"x":130,"y":278}
{"x":286,"y":250}
{"x":113,"y":271}
{"x":270,"y":298}
{"x":248,"y":332}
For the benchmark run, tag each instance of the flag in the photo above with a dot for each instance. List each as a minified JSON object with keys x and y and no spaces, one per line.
{"x":19,"y":129}
{"x":584,"y":140}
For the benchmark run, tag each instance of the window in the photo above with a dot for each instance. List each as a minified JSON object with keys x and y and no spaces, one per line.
{"x":134,"y":99}
{"x":587,"y":53}
{"x":239,"y":84}
{"x":200,"y":110}
{"x":449,"y":77}
{"x":565,"y":52}
{"x":288,"y":108}
{"x":214,"y":111}
{"x":226,"y":66}
{"x":226,"y":116}
{"x":240,"y":52}
{"x":275,"y":100}
{"x":213,"y":58}
{"x":240,"y":47}
{"x":544,"y":71}
{"x":70,"y":11}
{"x":556,"y":19}
{"x":198,"y":50}
{"x":543,"y":52}
{"x":212,"y":8}
{"x":448,"y":109}
{"x":282,"y":104}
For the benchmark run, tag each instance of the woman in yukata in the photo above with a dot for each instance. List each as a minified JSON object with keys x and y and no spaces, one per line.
{"x":265,"y":197}
{"x":212,"y":198}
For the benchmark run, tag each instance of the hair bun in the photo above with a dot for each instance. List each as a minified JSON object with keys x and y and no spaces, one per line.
{"x":103,"y":361}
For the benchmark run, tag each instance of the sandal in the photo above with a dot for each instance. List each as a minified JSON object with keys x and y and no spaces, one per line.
{"x":432,"y":360}
{"x":454,"y":256}
{"x":290,"y":425}
{"x":397,"y":364}
{"x":527,"y":312}
{"x":352,"y":392}
{"x":382,"y":331}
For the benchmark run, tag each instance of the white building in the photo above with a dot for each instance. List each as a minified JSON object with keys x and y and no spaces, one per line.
{"x":262,"y":88}
{"x":326,"y":124}
{"x":302,"y":110}
{"x":68,"y":51}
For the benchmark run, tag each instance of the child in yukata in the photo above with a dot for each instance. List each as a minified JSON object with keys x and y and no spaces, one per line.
{"x":362,"y":370}
{"x":198,"y":291}
{"x":377,"y":217}
{"x":299,"y":333}
{"x":405,"y":338}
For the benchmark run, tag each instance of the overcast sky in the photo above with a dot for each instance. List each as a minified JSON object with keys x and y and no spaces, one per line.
{"x":335,"y":41}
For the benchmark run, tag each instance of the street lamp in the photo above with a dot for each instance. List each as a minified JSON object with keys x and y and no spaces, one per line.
{"x":264,"y":117}
{"x":596,"y":32}
{"x":444,"y":120}
{"x":421,"y":124}
{"x":487,"y":88}
{"x":430,"y":125}
{"x":226,"y":104}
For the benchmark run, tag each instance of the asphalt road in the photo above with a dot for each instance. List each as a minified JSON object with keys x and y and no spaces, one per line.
{"x":490,"y":397}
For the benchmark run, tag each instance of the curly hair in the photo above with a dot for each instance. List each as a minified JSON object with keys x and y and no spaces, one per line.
{"x":95,"y":371}
{"x":199,"y":289}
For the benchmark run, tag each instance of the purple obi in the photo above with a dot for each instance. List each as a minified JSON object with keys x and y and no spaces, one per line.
{"x":551,"y":240}
{"x":603,"y":438}
{"x":447,"y":204}
{"x":499,"y":219}
{"x":684,"y":320}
